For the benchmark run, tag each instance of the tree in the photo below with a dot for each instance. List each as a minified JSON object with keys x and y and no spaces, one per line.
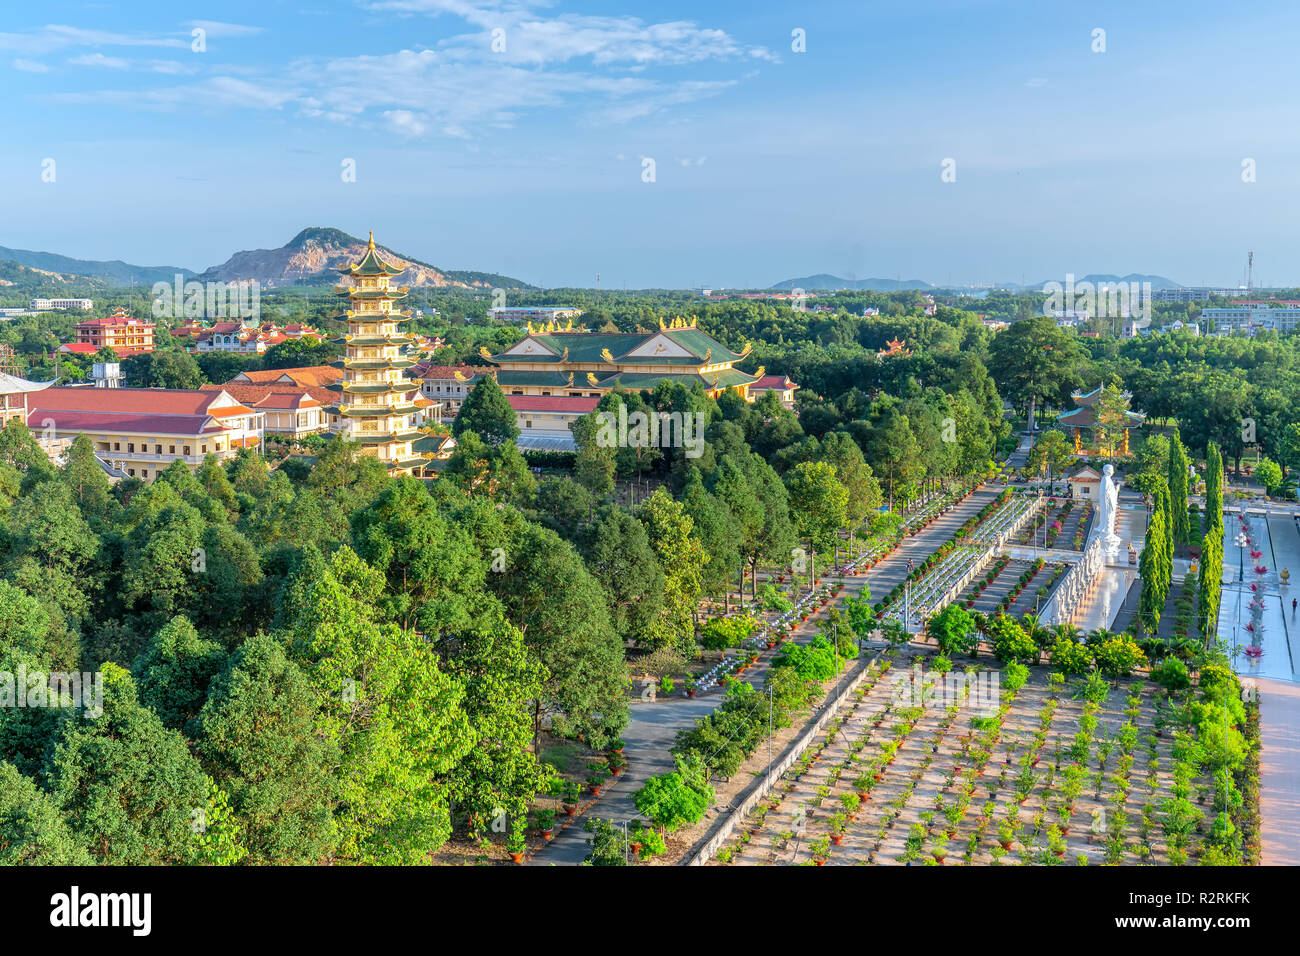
{"x":720,"y":525}
{"x":1269,"y":474}
{"x":678,"y":798}
{"x":258,"y":738}
{"x":486,"y":411}
{"x":820,"y":504}
{"x":300,"y":353}
{"x":1119,"y":656}
{"x":1034,"y":362}
{"x":562,"y":504}
{"x":127,"y":785}
{"x":1052,"y":454}
{"x":851,"y":469}
{"x":617,"y":550}
{"x":1010,"y":642}
{"x":174,"y":672}
{"x":953,"y":630}
{"x":681,"y":559}
{"x":393,"y":714}
{"x":170,"y":368}
{"x":1178,"y":469}
{"x":1112,"y":416}
{"x":560,"y":609}
{"x":32,"y":830}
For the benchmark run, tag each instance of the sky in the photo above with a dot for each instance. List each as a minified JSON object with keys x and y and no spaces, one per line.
{"x":666,"y":144}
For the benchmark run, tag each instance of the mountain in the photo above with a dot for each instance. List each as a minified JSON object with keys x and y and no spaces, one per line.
{"x":825,"y":281}
{"x":310,"y":258}
{"x":835,"y":283}
{"x":115,"y":272}
{"x":24,"y":281}
{"x":1157,"y":282}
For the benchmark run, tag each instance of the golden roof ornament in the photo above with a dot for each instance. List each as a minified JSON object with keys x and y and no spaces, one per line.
{"x":458,"y":375}
{"x":482,"y":350}
{"x":605,"y":354}
{"x":758,"y":372}
{"x":662,"y":327}
{"x":372,"y":238}
{"x":530,"y":327}
{"x":591,"y":378}
{"x":570,"y":381}
{"x":568,"y":326}
{"x":565,"y":356}
{"x":708,"y":353}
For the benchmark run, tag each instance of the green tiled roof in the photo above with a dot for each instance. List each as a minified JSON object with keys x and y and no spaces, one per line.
{"x":557,"y":379}
{"x":587,"y":347}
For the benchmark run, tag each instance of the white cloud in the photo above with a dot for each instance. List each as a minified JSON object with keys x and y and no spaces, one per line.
{"x":100,"y":60}
{"x":217,"y":29}
{"x":30,"y":66}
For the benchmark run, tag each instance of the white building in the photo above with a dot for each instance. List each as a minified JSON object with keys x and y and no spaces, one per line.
{"x":1249,"y":319}
{"x":57,"y":305}
{"x":538,"y":314}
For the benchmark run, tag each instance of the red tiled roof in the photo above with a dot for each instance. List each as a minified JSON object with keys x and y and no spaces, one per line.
{"x":773,"y":382}
{"x":306,"y":376}
{"x":552,"y":403}
{"x":67,"y":420}
{"x":273,"y":396}
{"x":138,"y":401}
{"x":79,"y":348}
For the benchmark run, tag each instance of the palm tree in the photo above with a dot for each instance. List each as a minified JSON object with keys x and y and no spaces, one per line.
{"x":1100,"y":636}
{"x":1067,"y":632}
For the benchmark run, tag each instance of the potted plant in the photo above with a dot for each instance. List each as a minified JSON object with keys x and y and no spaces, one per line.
{"x":570,"y":794}
{"x":594,"y":782}
{"x":821,"y":849}
{"x":839,"y":823}
{"x":690,"y":688}
{"x":546,"y":823}
{"x":616,"y":762}
{"x":515,"y":843}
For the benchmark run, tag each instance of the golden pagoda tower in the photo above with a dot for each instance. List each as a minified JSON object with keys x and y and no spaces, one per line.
{"x":378,"y":403}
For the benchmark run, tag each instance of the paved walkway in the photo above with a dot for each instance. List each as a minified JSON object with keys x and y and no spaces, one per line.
{"x":1279,"y":791}
{"x":652,"y":727}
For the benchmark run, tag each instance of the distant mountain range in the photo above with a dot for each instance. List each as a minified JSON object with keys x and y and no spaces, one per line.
{"x":114,"y":272}
{"x":827,"y":282}
{"x":308,"y":258}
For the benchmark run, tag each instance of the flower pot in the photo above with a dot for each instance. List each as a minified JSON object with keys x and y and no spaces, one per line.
{"x":516,"y":858}
{"x":636,"y":848}
{"x":690,"y":692}
{"x":595,"y":790}
{"x":548,"y":833}
{"x":838,"y":839}
{"x":570,"y":811}
{"x":820,"y":862}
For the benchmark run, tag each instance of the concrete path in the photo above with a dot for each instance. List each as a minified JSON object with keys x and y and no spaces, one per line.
{"x":1279,"y":791}
{"x":652,"y":727}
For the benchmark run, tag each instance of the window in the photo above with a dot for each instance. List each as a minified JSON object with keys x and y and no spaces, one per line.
{"x":204,"y":449}
{"x":157,"y":449}
{"x":117,"y":446}
{"x":171,"y":449}
{"x":187,"y":449}
{"x":130,"y":447}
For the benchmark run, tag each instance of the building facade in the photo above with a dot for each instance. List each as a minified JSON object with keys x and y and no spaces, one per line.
{"x":120,"y":332}
{"x":139,"y":432}
{"x":554,"y":361}
{"x":61,"y":305}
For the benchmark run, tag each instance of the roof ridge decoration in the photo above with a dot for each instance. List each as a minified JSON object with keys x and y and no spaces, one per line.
{"x":591,"y":379}
{"x":483,"y":352}
{"x":758,"y":372}
{"x":606,"y":355}
{"x":708,"y":354}
{"x":458,"y":375}
{"x":565,"y":356}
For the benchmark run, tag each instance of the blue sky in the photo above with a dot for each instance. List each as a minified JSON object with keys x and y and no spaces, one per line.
{"x":769,"y":163}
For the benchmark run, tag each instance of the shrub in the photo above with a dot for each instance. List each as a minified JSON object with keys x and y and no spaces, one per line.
{"x":676,"y":799}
